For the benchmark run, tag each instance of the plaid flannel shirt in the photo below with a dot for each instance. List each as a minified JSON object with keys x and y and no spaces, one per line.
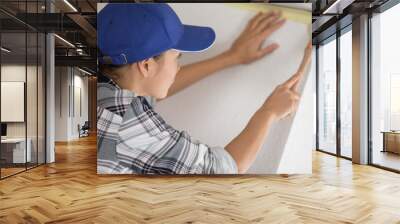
{"x":133,"y":139}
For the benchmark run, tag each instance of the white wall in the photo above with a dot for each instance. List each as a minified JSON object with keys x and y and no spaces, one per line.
{"x":12,"y":73}
{"x":61,"y":103}
{"x":68,"y":81}
{"x":79,"y":118}
{"x":33,"y":126}
{"x":216,"y":109}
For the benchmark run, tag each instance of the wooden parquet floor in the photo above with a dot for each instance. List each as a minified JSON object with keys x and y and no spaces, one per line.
{"x":70,"y":191}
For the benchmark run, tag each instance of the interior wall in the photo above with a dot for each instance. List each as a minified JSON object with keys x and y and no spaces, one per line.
{"x":222,"y":96}
{"x":61,"y":103}
{"x":17,"y":73}
{"x":69,"y":82}
{"x":79,"y":115}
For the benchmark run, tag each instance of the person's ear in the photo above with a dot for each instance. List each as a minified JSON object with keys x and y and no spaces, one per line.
{"x":147,"y":67}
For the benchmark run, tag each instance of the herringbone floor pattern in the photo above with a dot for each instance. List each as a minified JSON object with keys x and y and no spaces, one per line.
{"x":69,"y":191}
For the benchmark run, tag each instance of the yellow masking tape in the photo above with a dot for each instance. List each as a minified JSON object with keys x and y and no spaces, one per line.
{"x":297,"y":15}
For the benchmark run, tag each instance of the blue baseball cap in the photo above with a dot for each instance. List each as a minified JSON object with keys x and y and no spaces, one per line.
{"x":131,"y":32}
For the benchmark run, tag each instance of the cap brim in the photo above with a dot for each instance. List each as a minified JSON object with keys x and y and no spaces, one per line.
{"x":195,"y":39}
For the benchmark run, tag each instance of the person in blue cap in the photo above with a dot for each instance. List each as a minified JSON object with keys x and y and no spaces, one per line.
{"x":139,"y":46}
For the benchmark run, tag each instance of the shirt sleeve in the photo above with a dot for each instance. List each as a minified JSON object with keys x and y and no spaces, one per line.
{"x":150,"y":146}
{"x":224,"y":164}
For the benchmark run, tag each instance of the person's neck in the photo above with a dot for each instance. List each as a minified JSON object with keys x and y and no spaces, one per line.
{"x":132,"y":86}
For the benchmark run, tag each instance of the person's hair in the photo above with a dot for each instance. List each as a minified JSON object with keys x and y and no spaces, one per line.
{"x":113,"y":71}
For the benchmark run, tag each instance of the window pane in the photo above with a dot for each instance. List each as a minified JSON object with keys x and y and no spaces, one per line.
{"x":22,"y":89}
{"x":327,"y":97}
{"x":346,"y":93}
{"x":41,"y":98}
{"x":31,"y":97}
{"x":386,"y":89}
{"x":15,"y":150}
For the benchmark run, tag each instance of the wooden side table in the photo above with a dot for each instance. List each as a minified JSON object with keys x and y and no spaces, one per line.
{"x":391,"y":141}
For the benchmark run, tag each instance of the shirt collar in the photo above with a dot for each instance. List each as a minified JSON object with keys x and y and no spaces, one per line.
{"x":111,"y":82}
{"x":116,"y":99}
{"x":106,"y":79}
{"x":127,"y":93}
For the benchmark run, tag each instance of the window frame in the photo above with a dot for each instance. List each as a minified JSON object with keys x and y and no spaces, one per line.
{"x":334,"y":37}
{"x":381,"y":9}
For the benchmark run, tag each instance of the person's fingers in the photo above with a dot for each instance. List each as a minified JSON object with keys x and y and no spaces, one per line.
{"x":295,"y":95}
{"x":267,"y":16}
{"x":295,"y":87}
{"x":271,"y":21}
{"x":267,"y":21}
{"x":303,"y":66}
{"x":270,"y":29}
{"x":294,"y":108}
{"x":292,"y":81}
{"x":309,"y":45}
{"x":256,"y":19}
{"x":295,"y":104}
{"x":306,"y":59}
{"x":268,"y":49}
{"x":250,"y":24}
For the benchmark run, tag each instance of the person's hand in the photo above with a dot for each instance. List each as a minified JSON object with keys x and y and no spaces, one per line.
{"x":248,"y":46}
{"x":306,"y":60}
{"x":285,"y":98}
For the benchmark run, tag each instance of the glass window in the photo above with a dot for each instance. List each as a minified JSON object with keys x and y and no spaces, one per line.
{"x":22,"y":91}
{"x":394,"y":101}
{"x":15,"y":150}
{"x":31,"y":97}
{"x":327,"y":97}
{"x":346,"y":94}
{"x":314,"y":76}
{"x":41,"y":79}
{"x":385,"y":89}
